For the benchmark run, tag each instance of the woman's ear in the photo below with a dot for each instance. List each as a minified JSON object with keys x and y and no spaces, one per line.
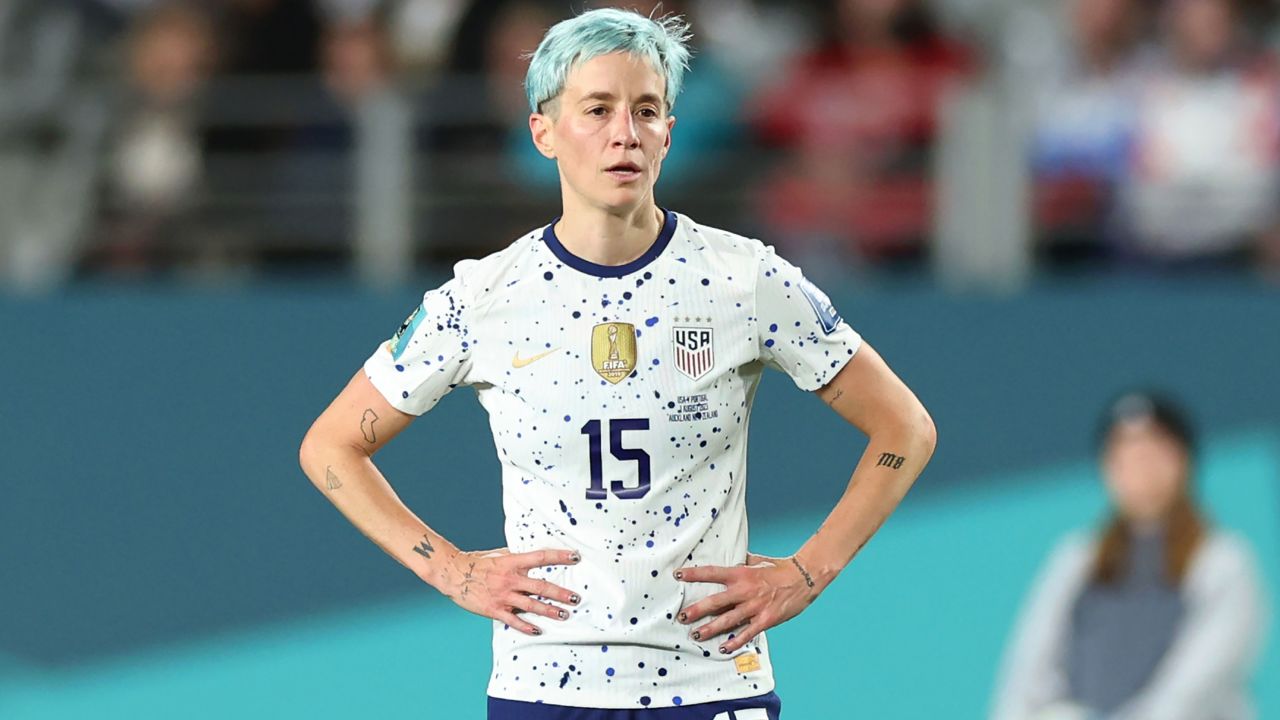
{"x":543,"y":138}
{"x":666,"y":146}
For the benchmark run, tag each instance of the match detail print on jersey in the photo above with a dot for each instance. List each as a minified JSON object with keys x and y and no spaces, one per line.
{"x":693,"y":350}
{"x":613,"y":350}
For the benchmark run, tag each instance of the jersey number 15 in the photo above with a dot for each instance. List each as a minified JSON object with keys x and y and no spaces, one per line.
{"x":617,"y":426}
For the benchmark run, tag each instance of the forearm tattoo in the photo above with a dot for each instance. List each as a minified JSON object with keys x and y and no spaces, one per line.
{"x":808,"y":579}
{"x":891,"y":461}
{"x":366,"y":426}
{"x":424,"y":548}
{"x":468,"y":578}
{"x":331,"y":480}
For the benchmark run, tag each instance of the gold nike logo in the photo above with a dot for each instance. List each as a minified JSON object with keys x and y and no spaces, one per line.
{"x":519,"y":362}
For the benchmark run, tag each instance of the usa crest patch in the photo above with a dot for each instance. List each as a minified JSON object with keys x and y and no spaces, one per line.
{"x":694,"y":350}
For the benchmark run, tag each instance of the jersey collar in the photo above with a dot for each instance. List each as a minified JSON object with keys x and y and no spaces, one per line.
{"x":613,"y":271}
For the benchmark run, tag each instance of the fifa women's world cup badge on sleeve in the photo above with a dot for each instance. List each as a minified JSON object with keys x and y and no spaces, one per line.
{"x":400,"y":340}
{"x":613,"y":350}
{"x":827,"y":314}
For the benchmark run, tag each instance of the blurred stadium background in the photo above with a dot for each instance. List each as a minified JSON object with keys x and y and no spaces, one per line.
{"x":211,"y":212}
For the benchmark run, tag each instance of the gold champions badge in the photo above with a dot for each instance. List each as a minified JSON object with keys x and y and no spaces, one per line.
{"x":613,"y":350}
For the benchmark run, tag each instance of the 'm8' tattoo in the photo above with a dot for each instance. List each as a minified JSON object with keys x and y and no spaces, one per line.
{"x":890,"y":460}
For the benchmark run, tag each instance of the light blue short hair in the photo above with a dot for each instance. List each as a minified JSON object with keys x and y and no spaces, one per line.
{"x":569,"y":43}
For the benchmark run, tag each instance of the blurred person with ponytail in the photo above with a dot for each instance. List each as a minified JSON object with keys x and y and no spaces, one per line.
{"x":1158,"y":615}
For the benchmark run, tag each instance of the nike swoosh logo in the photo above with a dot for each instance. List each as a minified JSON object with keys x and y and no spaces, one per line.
{"x":519,"y":362}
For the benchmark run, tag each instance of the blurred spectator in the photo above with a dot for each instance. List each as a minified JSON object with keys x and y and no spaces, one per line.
{"x":1205,"y":178}
{"x":357,"y":61}
{"x":270,"y":36}
{"x":1157,"y":616}
{"x":155,"y":163}
{"x":856,"y":121}
{"x":421,"y":30}
{"x":472,"y":114}
{"x":1084,"y":126}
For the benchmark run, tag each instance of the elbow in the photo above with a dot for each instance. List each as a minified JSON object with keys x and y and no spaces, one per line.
{"x":308,"y":451}
{"x":926,"y":431}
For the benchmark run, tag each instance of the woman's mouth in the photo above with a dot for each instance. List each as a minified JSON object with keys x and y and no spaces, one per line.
{"x":624,"y":172}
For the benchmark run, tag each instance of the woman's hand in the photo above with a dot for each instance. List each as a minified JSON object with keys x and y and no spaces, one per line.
{"x":764,"y":593}
{"x":496,"y":584}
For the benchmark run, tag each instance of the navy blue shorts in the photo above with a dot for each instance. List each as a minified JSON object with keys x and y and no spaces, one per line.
{"x":760,"y":707}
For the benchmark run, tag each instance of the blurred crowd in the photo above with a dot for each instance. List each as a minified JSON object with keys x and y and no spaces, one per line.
{"x":1156,"y":134}
{"x":151,"y":134}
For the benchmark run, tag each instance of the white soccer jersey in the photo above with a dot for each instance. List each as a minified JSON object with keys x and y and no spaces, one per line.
{"x":619,"y":399}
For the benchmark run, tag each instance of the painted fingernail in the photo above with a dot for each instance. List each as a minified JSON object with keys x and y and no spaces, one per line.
{"x":724,"y":650}
{"x":574,"y":599}
{"x":684,"y":618}
{"x":537,"y":631}
{"x":697,"y":635}
{"x":679,"y":575}
{"x":564,"y":614}
{"x":575,"y":557}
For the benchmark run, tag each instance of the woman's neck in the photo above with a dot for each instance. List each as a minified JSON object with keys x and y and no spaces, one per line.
{"x":607,"y":238}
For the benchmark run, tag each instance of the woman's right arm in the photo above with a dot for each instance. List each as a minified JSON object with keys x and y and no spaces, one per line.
{"x":337,"y":456}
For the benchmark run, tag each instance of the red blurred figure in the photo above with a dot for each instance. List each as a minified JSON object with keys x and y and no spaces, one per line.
{"x":857,"y":120}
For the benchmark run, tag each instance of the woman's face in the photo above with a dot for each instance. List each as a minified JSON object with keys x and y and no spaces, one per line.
{"x":1146,"y":470}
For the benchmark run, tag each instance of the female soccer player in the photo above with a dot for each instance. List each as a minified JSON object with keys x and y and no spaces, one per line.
{"x":617,"y":351}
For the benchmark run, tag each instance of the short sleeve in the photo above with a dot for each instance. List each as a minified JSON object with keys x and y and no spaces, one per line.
{"x":799,"y":330}
{"x":428,"y":356}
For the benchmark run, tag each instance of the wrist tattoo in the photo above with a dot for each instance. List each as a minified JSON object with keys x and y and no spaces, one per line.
{"x":366,"y":425}
{"x":331,"y":480}
{"x":890,"y":461}
{"x":808,"y":579}
{"x":424,"y":548}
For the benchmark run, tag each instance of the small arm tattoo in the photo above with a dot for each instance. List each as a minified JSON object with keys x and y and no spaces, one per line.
{"x":424,"y":548}
{"x":468,"y":578}
{"x":366,"y":425}
{"x":331,"y":480}
{"x":808,"y":579}
{"x":839,"y":392}
{"x":890,"y":461}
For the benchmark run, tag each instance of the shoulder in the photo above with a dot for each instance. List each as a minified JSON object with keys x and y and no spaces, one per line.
{"x":1224,"y":558}
{"x":1073,"y":552}
{"x":727,"y":248}
{"x":722,"y":243}
{"x":479,"y":280}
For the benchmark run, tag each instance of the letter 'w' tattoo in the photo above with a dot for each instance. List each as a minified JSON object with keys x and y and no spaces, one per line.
{"x":424,"y":548}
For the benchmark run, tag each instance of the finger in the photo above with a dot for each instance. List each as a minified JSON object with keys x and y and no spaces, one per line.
{"x":514,"y":621}
{"x":706,"y":573}
{"x":712,"y":605}
{"x":549,"y":591}
{"x":731,"y":620}
{"x":524,"y":603}
{"x":740,"y":639}
{"x":542,"y":558}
